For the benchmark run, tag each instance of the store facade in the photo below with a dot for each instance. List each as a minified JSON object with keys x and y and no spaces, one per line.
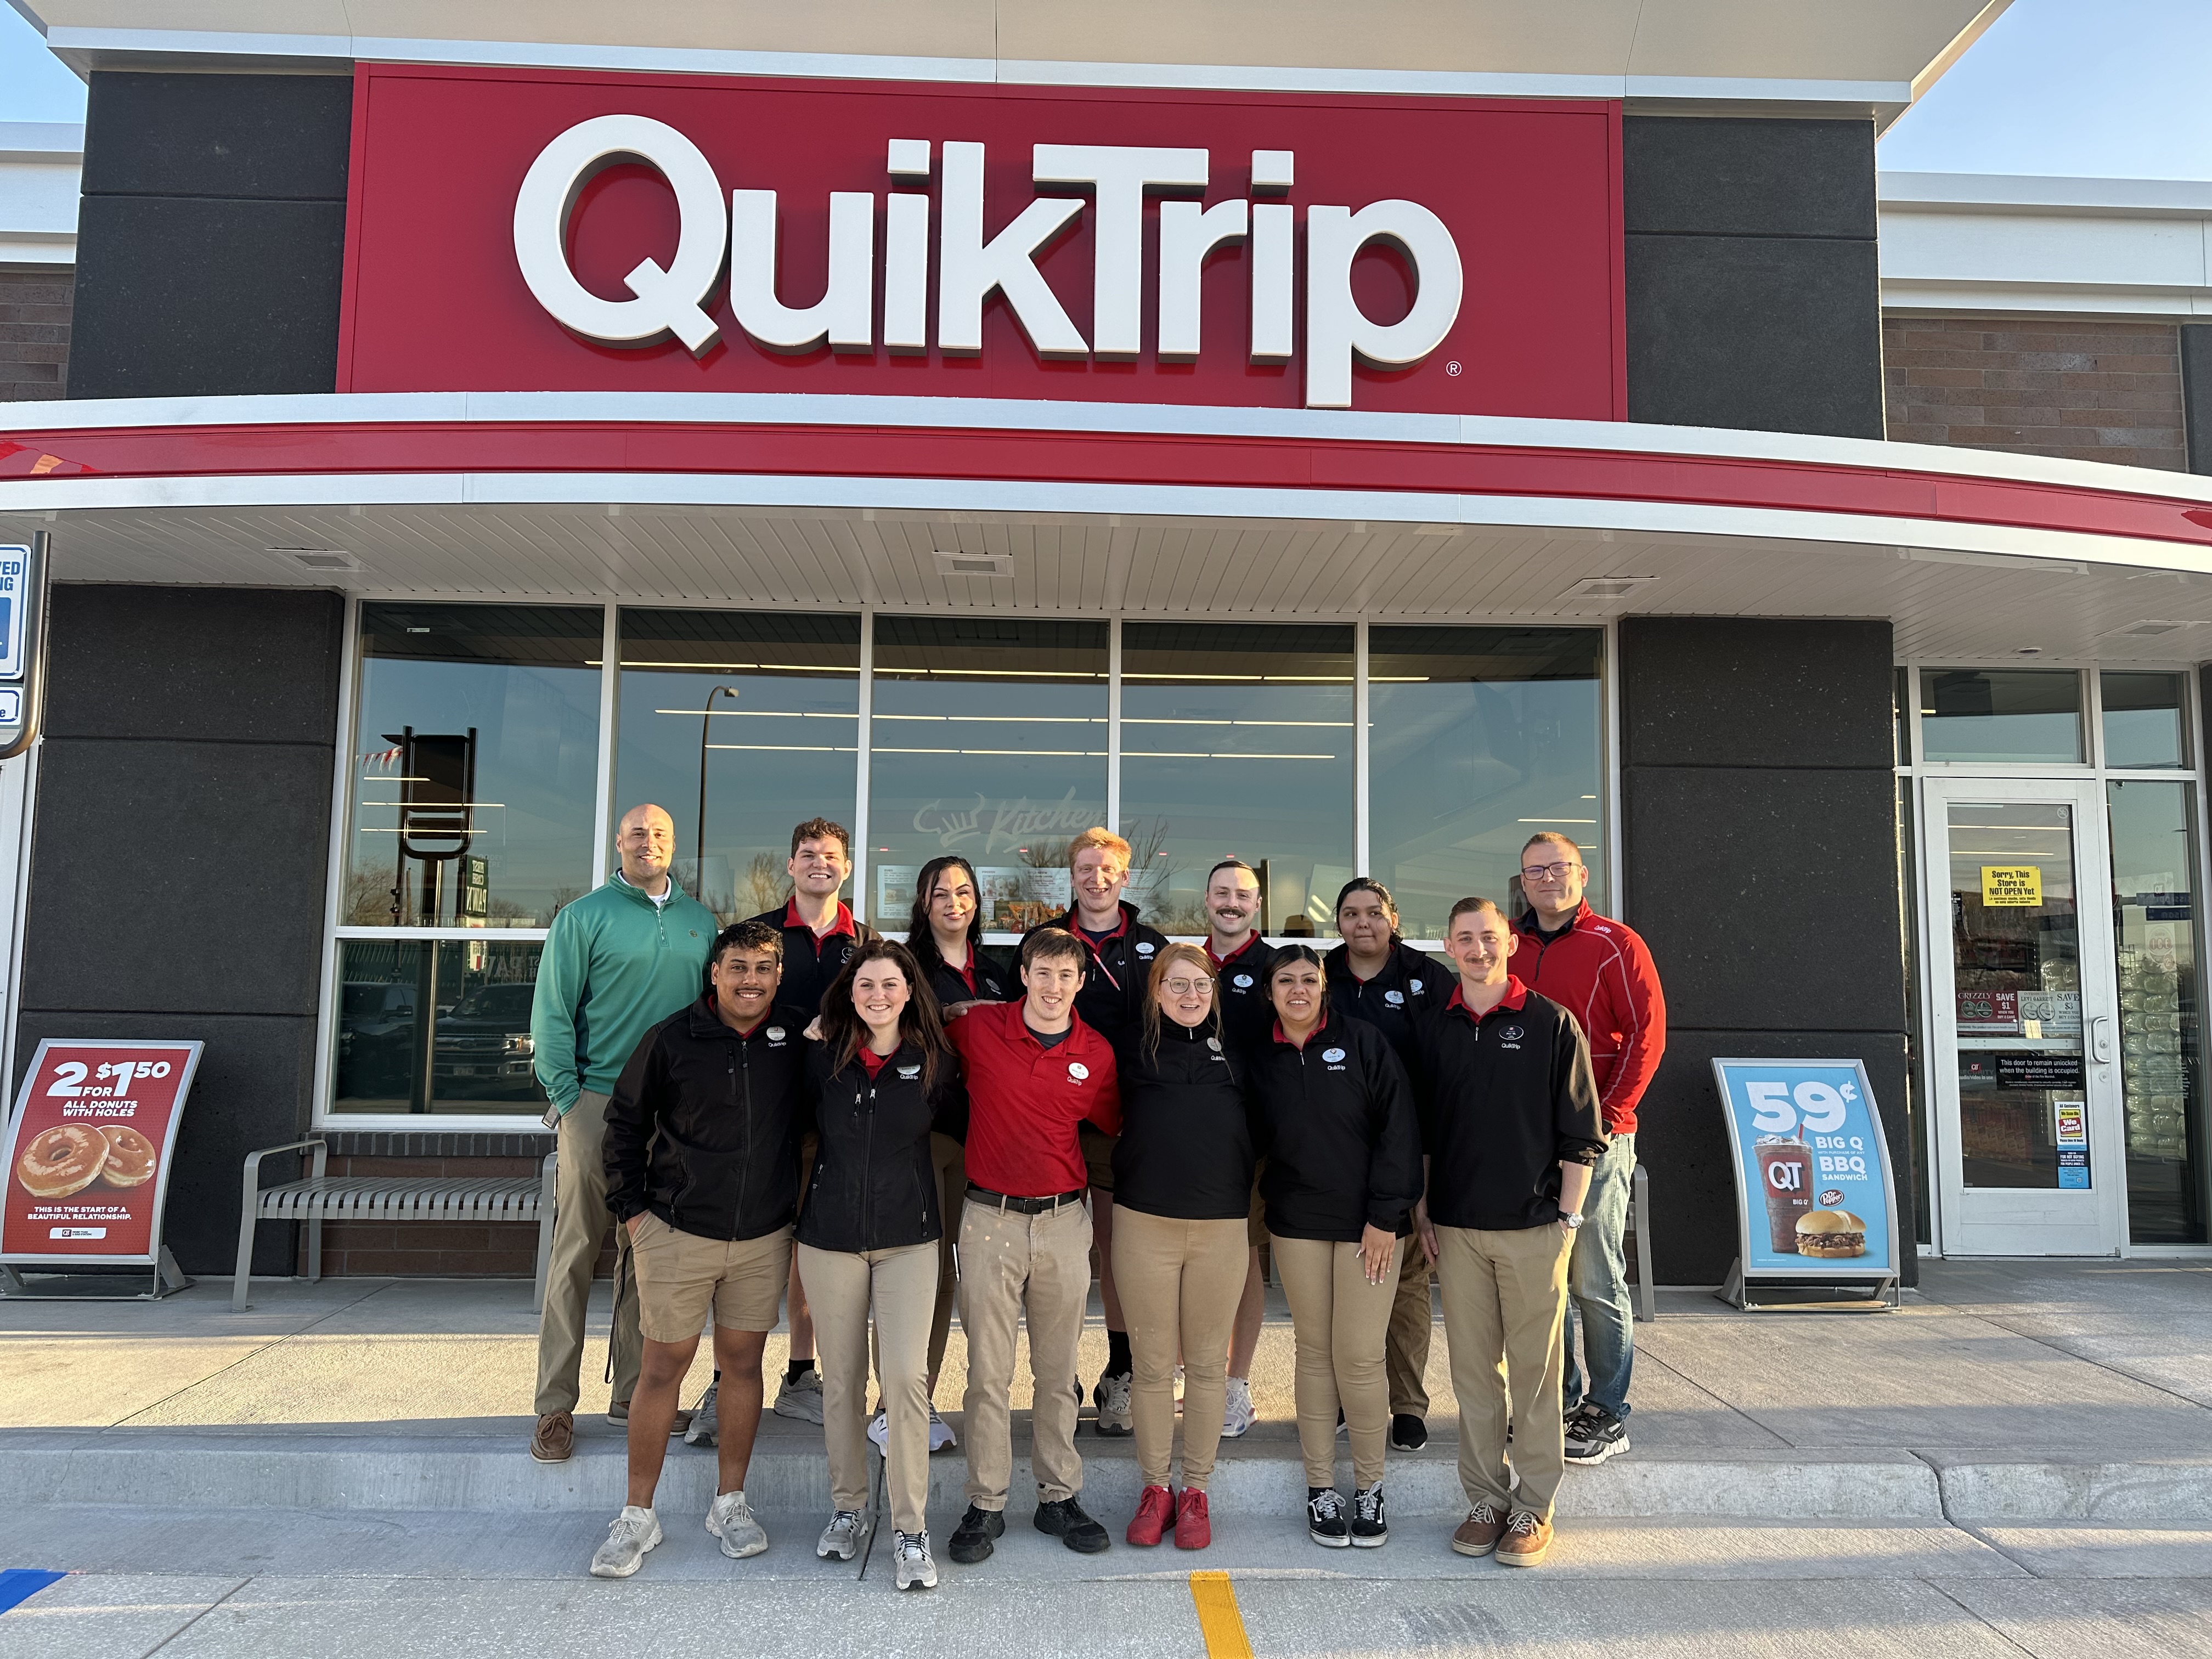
{"x":1350,"y":471}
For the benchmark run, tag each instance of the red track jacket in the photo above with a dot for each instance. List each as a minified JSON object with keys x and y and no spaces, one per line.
{"x":1601,"y":972}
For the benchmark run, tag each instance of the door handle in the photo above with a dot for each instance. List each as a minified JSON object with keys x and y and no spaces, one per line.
{"x":2101,"y":1039}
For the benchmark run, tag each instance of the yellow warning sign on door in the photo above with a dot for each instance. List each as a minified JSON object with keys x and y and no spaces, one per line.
{"x":2012,"y":885}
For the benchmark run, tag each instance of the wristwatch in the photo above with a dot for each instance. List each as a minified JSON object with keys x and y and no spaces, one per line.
{"x":1571,"y":1222}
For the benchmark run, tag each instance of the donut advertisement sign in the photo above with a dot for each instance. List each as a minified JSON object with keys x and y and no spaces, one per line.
{"x":88,"y":1151}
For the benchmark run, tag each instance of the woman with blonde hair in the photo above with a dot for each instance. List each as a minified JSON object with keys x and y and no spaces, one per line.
{"x":1182,"y":1185}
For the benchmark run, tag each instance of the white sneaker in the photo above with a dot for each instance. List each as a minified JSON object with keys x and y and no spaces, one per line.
{"x":1113,"y":1417}
{"x":916,"y":1571}
{"x":1236,"y":1414}
{"x":941,"y":1437}
{"x":802,"y":1399}
{"x":704,"y":1424}
{"x":841,"y":1539}
{"x":879,"y":1431}
{"x":731,"y":1521}
{"x":634,"y":1531}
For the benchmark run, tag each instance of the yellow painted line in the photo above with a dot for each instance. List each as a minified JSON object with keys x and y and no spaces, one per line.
{"x":1218,"y":1621}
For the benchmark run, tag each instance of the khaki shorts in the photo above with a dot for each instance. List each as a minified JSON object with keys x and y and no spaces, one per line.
{"x":680,"y":1275}
{"x":1099,"y":1155}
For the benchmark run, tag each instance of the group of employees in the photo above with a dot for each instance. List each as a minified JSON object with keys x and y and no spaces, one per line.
{"x":795,"y":1112}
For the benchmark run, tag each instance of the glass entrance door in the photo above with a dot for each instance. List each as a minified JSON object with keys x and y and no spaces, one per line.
{"x":2030,"y":1132}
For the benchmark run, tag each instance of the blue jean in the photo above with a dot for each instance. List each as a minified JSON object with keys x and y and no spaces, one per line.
{"x":1597,"y":1287}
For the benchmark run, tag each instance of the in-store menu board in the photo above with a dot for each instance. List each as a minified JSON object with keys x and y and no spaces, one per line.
{"x":88,"y":1151}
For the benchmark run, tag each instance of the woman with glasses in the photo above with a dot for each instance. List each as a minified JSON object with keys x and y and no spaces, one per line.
{"x":1182,"y":1183}
{"x":1334,"y":1115}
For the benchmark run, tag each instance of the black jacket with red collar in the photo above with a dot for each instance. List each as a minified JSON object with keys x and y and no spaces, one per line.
{"x":1408,"y":986}
{"x":1241,"y":989}
{"x":1505,"y":1100}
{"x":1336,"y":1122}
{"x":810,"y":964}
{"x":1112,"y":999}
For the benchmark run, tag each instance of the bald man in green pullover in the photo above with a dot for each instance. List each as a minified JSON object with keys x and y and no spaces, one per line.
{"x":616,"y":962}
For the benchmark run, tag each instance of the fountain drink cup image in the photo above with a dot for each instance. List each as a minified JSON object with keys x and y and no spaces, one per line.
{"x":1785,"y":1171}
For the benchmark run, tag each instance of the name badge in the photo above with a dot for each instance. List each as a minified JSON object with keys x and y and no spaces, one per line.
{"x":1414,"y":986}
{"x":1394,"y":998}
{"x":1242,"y":982}
{"x":910,"y":1073}
{"x":1332,"y":1056}
{"x":1077,"y":1071}
{"x":775,"y":1034}
{"x":1214,"y":1044}
{"x":1144,"y":950}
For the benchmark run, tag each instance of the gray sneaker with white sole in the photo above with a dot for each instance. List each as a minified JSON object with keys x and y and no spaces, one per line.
{"x":841,"y":1539}
{"x":634,"y":1531}
{"x":731,"y":1521}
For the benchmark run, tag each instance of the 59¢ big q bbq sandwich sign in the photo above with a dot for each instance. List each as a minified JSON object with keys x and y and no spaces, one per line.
{"x":539,"y":230}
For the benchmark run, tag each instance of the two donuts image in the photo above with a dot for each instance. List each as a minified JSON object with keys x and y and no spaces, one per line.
{"x":63,"y":1161}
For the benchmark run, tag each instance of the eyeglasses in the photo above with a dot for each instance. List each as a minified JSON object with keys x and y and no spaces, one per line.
{"x":1540,"y":872}
{"x":1185,"y":987}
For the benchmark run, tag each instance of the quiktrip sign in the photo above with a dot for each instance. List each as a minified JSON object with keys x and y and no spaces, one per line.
{"x":541,"y":230}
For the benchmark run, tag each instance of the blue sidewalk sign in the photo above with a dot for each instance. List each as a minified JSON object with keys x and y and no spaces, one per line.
{"x":1815,"y":1199}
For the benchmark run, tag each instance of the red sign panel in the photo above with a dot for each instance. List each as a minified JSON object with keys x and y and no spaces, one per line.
{"x":88,"y":1151}
{"x":1450,"y":256}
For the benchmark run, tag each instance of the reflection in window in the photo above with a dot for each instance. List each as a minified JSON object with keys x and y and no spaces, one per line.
{"x":2022,"y":714}
{"x":2156,"y":924}
{"x":754,"y":717}
{"x":2142,"y":719}
{"x":1478,"y":739}
{"x":1237,"y":739}
{"x":436,"y":1026}
{"x":987,"y":738}
{"x":474,"y":762}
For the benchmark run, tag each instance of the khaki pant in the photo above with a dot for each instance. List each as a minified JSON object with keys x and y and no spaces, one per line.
{"x":843,"y":1287}
{"x":950,"y":1159}
{"x":581,"y":1221}
{"x":1406,"y":1355}
{"x":1341,"y":1323}
{"x":1013,"y":1264}
{"x":1506,"y":1299}
{"x":1179,"y":1283}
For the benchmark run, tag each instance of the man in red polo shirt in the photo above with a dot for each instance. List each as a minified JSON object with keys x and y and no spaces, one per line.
{"x":1600,"y":971}
{"x":1034,"y":1070}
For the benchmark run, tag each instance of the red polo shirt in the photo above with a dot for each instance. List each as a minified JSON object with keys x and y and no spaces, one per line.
{"x":843,"y":922}
{"x":1515,"y":998}
{"x":1024,"y":1100}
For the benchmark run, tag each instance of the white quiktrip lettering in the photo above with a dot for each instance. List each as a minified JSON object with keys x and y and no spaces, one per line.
{"x":739,"y":237}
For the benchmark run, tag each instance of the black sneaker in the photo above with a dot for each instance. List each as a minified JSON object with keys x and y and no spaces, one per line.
{"x":1371,"y":1528}
{"x":1594,"y":1435}
{"x":1408,"y":1432}
{"x":1064,"y":1518}
{"x":971,"y":1539}
{"x":1325,"y":1517}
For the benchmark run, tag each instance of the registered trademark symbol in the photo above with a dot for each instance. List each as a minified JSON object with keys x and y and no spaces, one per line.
{"x":1452,"y":369}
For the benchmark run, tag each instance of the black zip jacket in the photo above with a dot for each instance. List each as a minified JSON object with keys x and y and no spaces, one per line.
{"x":995,"y":981}
{"x":1336,"y":1121}
{"x":811,"y":963}
{"x":873,"y":1186}
{"x":1112,"y":999}
{"x":703,"y":1125}
{"x":1248,"y":1018}
{"x":1504,"y":1101}
{"x":1409,"y":985}
{"x":1186,"y":1146}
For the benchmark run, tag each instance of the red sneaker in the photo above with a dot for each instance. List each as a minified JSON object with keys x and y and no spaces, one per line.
{"x":1193,"y":1531}
{"x":1155,"y":1513}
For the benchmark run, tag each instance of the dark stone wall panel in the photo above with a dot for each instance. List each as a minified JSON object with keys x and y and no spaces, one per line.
{"x":251,"y":1091}
{"x":270,"y":137}
{"x":1766,"y":334}
{"x":2197,"y":393}
{"x":263,"y":665}
{"x":1731,"y":691}
{"x":1748,"y":177}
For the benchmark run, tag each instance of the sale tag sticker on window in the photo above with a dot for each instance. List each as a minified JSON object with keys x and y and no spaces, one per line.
{"x":2011,"y":886}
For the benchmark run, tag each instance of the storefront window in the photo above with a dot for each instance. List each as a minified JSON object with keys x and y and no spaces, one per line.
{"x":740,"y":724}
{"x":474,"y":765}
{"x":1478,"y":739}
{"x":2142,"y":719}
{"x":2156,"y":924}
{"x":2022,"y":715}
{"x":1237,"y":739}
{"x":987,"y":739}
{"x":435,"y":1026}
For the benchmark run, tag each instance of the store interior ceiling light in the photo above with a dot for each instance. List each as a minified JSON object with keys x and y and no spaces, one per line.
{"x":974,"y":564}
{"x":1607,"y":587}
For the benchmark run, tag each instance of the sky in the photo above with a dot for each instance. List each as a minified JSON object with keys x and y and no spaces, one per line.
{"x":2101,"y":88}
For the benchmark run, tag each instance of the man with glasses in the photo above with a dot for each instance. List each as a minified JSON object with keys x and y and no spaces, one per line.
{"x":1601,"y":972}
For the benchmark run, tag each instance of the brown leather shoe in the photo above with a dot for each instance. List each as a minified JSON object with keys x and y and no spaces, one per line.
{"x":618,"y":1412}
{"x":1478,"y":1534}
{"x":556,"y":1438}
{"x":1525,"y":1541}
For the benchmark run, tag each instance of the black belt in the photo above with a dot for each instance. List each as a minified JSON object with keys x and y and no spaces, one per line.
{"x":1023,"y":1205}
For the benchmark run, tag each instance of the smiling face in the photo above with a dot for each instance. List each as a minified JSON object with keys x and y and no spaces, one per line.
{"x":1232,"y":900}
{"x":1481,"y":944}
{"x":646,"y":839}
{"x":819,"y":867}
{"x":1099,"y":874}
{"x":1295,"y":988}
{"x":951,"y":901}
{"x":1185,"y":988}
{"x":1365,"y":923}
{"x":880,"y":994}
{"x":744,"y":984}
{"x":1554,"y":875}
{"x":1051,"y":982}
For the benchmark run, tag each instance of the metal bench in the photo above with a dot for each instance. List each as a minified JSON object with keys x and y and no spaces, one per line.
{"x":1639,"y":1223}
{"x":393,"y":1197}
